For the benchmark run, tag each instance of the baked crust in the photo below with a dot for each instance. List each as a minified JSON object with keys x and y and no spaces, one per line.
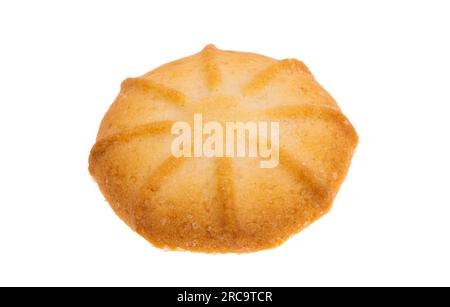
{"x":220,"y":205}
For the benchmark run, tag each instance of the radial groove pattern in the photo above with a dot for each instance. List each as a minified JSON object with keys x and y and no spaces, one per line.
{"x":259,"y":74}
{"x":225,"y":193}
{"x":298,"y":112}
{"x":264,"y":78}
{"x":154,"y":128}
{"x":169,"y":94}
{"x":210,"y":68}
{"x":152,"y":184}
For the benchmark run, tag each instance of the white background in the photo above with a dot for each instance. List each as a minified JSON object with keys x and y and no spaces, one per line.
{"x":387,"y":63}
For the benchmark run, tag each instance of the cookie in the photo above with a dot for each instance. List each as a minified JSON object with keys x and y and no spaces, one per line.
{"x":222,"y":152}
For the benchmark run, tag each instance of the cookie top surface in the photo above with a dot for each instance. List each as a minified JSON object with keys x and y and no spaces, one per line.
{"x":219,"y":202}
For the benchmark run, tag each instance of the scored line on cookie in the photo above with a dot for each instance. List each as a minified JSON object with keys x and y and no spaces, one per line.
{"x":154,"y":128}
{"x":171,"y":95}
{"x":311,"y":111}
{"x":263,"y":78}
{"x":211,"y":70}
{"x":303,"y":174}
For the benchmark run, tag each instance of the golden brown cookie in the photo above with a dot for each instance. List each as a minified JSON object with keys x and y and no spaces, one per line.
{"x":222,"y":203}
